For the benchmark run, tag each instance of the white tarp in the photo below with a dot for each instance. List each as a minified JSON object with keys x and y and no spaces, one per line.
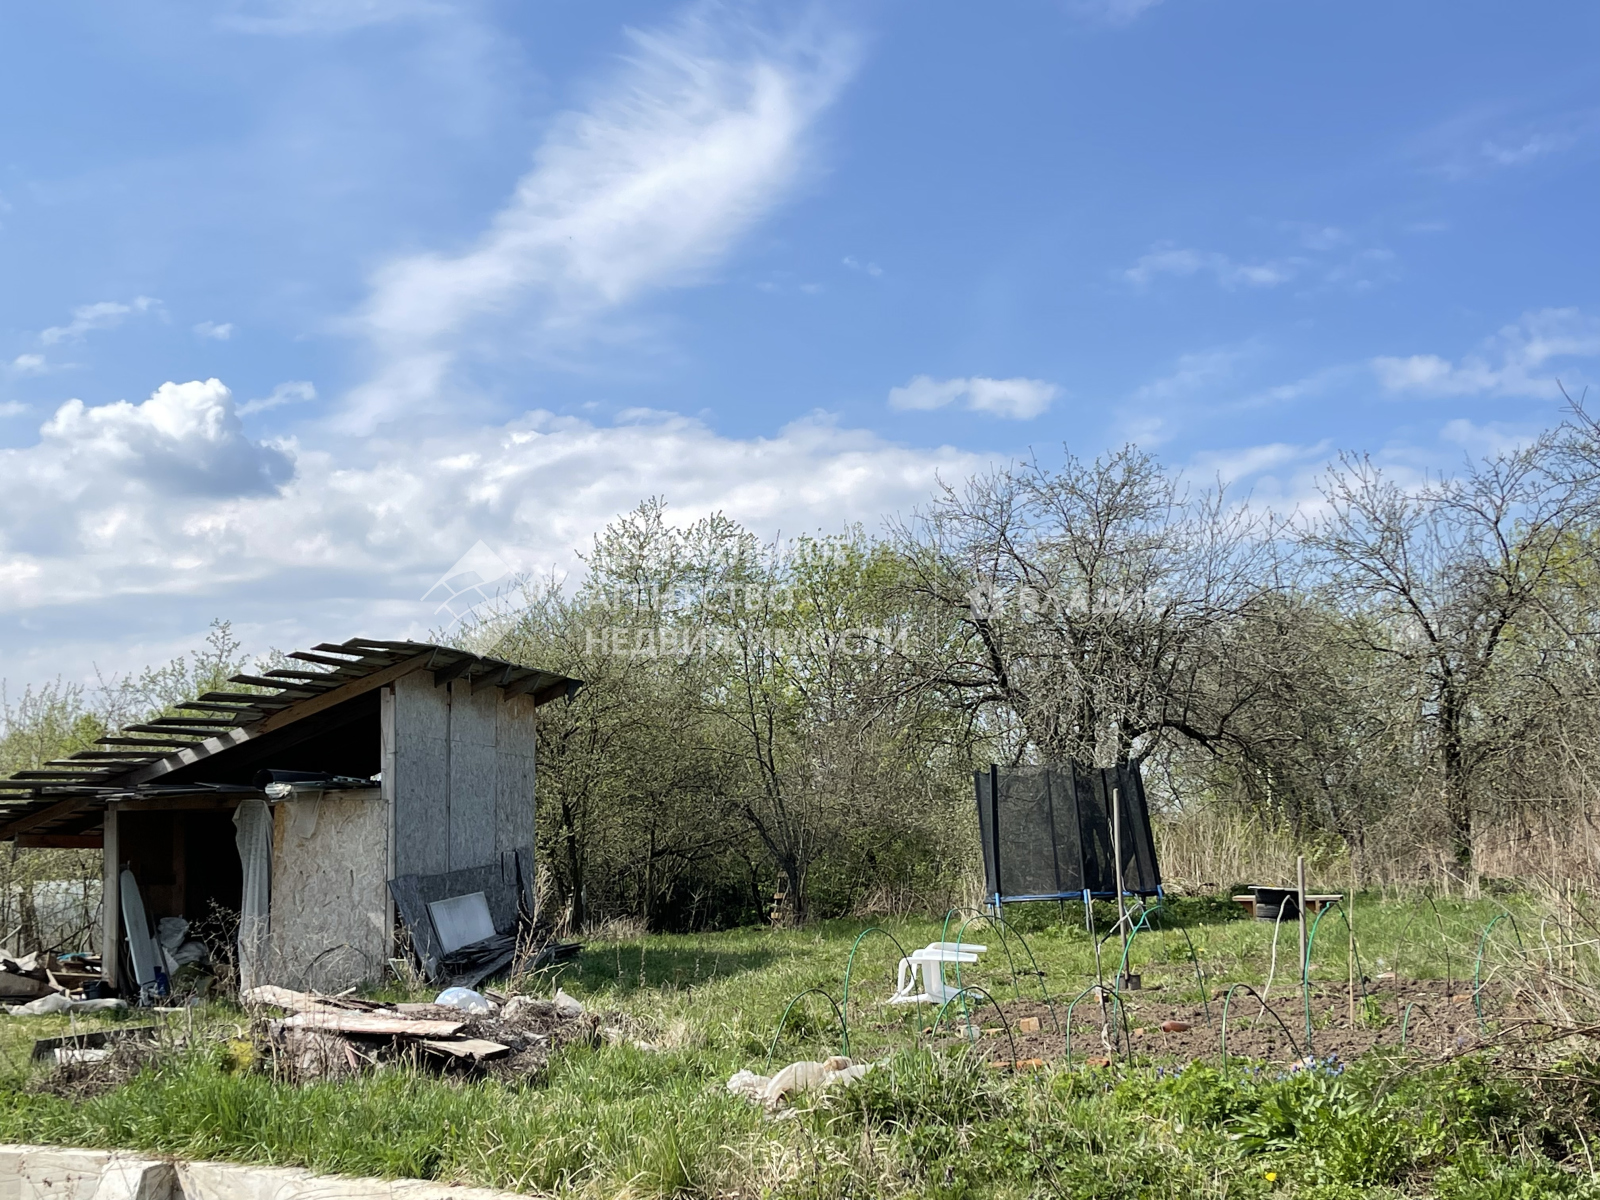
{"x":253,"y":822}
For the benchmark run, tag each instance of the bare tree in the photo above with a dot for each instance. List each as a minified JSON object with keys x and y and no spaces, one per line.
{"x":1442,"y":578}
{"x":1087,"y":606}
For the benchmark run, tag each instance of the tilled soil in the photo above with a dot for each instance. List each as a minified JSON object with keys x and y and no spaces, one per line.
{"x":1441,"y":1020}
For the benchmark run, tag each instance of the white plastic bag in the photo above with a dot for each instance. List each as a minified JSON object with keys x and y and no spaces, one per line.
{"x":466,"y":1000}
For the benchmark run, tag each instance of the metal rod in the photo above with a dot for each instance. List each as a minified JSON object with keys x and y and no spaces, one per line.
{"x":994,"y":829}
{"x":1300,"y":900}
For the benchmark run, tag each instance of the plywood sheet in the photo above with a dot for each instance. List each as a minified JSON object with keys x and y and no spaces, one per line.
{"x":329,"y":924}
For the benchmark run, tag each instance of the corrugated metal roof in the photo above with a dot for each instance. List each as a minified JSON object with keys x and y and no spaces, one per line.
{"x":141,"y":754}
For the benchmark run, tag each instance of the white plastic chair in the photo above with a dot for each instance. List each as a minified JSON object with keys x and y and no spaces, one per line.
{"x":930,"y":961}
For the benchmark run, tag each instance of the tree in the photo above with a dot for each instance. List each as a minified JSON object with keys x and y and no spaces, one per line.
{"x":1083,"y":606}
{"x":1442,"y":579}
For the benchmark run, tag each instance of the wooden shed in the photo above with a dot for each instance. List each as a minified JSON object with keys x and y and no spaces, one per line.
{"x":330,"y":805}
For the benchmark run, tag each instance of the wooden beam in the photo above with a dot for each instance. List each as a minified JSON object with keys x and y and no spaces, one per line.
{"x":528,"y":682}
{"x":188,"y":721}
{"x":443,"y":675}
{"x":61,"y":841}
{"x":263,"y":681}
{"x":491,"y":679}
{"x":278,"y":720}
{"x":313,"y":676}
{"x":44,"y":816}
{"x":246,"y":699}
{"x":110,"y":898}
{"x":183,"y":731}
{"x":565,"y":687}
{"x":163,"y":741}
{"x":181,"y":803}
{"x":328,"y":660}
{"x":136,"y":756}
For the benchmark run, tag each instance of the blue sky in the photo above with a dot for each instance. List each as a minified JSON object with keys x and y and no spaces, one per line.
{"x":304,"y":298}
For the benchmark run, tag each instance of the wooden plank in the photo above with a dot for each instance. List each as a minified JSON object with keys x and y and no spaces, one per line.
{"x":443,"y":675}
{"x":146,"y":741}
{"x":328,"y":660}
{"x":288,"y":999}
{"x":61,"y":841}
{"x":263,"y":681}
{"x":475,"y":1049}
{"x":44,"y":816}
{"x":211,"y":803}
{"x":356,"y":687}
{"x":562,"y":688}
{"x":490,"y":679}
{"x":372,"y":1025}
{"x":181,"y":731}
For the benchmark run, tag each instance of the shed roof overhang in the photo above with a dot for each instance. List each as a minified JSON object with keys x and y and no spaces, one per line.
{"x":296,"y":710}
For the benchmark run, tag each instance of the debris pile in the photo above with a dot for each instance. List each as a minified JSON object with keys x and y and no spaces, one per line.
{"x":35,"y":977}
{"x":341,"y":1035}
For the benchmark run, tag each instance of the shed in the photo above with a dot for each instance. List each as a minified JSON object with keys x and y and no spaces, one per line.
{"x":327,"y":802}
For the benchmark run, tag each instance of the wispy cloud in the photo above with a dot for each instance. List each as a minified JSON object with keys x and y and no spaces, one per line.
{"x":1488,"y":139}
{"x":1111,"y":12}
{"x":1018,"y":399}
{"x":1166,"y":259}
{"x":214,"y":331}
{"x":869,"y":268}
{"x":294,"y":391}
{"x":1519,"y":360}
{"x":696,"y":139}
{"x":29,"y":364}
{"x":1194,"y":373}
{"x":293,"y":17}
{"x":106,"y":314}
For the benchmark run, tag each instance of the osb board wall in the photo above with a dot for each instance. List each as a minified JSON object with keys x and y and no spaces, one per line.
{"x":329,"y":891}
{"x":463,"y":774}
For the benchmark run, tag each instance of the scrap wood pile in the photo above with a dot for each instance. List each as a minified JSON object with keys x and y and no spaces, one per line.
{"x":47,"y":983}
{"x":341,"y":1035}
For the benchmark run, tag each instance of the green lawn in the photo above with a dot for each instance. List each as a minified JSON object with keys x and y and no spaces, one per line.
{"x":619,"y":1120}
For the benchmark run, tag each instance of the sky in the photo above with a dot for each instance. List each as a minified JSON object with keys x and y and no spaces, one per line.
{"x":307,"y":305}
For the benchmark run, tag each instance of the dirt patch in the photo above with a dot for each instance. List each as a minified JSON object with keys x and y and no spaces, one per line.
{"x":1436,"y":1019}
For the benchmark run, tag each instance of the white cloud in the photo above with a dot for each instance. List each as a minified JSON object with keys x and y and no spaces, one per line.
{"x":106,"y":314}
{"x":99,"y":514}
{"x":210,"y":329}
{"x":1018,"y":399}
{"x":12,"y":408}
{"x":855,"y":264}
{"x":293,"y":391}
{"x":1194,"y":373}
{"x":1172,"y":260}
{"x":1520,"y":360}
{"x":29,"y":364}
{"x":650,"y":186}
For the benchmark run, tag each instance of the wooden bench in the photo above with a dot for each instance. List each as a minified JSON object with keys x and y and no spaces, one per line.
{"x":1314,"y":903}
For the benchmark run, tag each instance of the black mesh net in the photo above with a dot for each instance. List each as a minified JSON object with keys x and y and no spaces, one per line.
{"x":1055,"y":831}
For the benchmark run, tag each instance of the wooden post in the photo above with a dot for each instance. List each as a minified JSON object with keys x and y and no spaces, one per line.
{"x":110,"y":899}
{"x":1122,"y":909}
{"x":1300,"y":899}
{"x":1350,"y":921}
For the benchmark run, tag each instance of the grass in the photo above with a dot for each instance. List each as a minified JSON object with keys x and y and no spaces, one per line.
{"x":623,"y":1121}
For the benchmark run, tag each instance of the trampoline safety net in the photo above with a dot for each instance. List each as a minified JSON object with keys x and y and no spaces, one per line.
{"x":1055,"y":832}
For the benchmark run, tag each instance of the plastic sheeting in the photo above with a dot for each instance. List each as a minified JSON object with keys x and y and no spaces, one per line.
{"x":252,"y":821}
